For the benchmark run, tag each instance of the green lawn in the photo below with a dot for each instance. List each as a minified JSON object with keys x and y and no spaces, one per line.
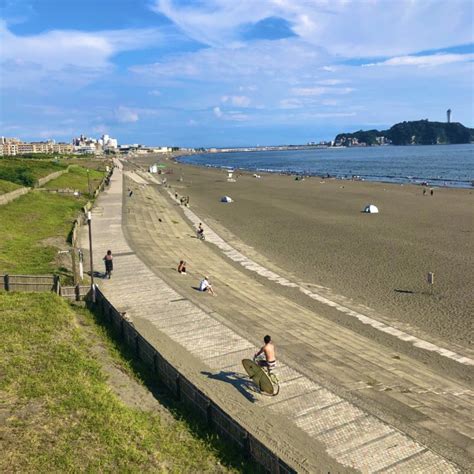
{"x":76,"y":179}
{"x":26,"y":172}
{"x":7,"y":186}
{"x":27,"y":222}
{"x":60,"y":412}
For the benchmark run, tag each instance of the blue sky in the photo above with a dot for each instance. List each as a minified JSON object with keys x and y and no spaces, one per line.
{"x":230,"y":73}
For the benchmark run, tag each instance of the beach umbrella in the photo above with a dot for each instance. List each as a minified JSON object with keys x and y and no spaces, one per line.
{"x":371,"y":209}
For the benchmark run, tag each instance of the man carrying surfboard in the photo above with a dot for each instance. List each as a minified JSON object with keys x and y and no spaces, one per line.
{"x":268,"y":349}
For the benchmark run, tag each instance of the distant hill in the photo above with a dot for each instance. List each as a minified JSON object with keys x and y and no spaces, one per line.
{"x":419,"y":132}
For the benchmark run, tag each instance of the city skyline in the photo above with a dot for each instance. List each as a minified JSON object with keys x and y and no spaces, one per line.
{"x":217,"y":73}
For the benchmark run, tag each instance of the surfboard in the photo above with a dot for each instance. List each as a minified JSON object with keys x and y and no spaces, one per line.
{"x":259,"y":376}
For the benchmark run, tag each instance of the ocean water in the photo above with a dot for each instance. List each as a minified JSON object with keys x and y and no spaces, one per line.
{"x":437,"y":165}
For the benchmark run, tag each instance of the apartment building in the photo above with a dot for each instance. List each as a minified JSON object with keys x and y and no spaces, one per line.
{"x":13,"y":146}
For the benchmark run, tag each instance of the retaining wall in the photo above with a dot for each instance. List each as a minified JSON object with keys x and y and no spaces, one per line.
{"x":45,"y":179}
{"x":187,"y":393}
{"x":12,"y":195}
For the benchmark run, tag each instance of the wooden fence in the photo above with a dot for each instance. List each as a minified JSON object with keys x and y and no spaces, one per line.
{"x":30,"y":283}
{"x":39,"y":283}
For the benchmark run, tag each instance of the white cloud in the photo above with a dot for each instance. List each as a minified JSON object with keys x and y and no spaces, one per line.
{"x":231,"y":115}
{"x":59,"y":132}
{"x":263,"y":62}
{"x":251,"y":88}
{"x":155,"y":93}
{"x":56,"y":49}
{"x":331,"y":82}
{"x":236,"y":116}
{"x":290,"y":104}
{"x":344,"y":28}
{"x":432,"y":60}
{"x":66,"y":58}
{"x":236,"y":100}
{"x":315,"y":91}
{"x":126,"y":115}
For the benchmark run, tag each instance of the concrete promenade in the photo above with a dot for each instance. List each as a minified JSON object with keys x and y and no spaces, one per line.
{"x":345,"y":401}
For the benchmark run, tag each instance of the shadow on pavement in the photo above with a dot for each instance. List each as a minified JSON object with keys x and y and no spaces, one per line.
{"x":239,"y":381}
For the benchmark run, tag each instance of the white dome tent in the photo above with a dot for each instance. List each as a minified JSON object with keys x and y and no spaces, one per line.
{"x":371,"y":209}
{"x":226,"y":199}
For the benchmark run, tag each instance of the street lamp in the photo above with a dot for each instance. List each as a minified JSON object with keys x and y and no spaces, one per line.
{"x":89,"y":224}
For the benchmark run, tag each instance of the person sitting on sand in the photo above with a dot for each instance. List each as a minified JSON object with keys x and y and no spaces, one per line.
{"x":182,"y":267}
{"x":200,"y":232}
{"x":206,"y":286}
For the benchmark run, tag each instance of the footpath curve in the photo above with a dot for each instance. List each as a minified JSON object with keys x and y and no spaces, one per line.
{"x":308,"y":414}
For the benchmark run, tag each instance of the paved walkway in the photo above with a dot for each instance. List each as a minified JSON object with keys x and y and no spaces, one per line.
{"x":434,"y":408}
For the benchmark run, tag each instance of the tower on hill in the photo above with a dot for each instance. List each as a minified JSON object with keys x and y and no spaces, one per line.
{"x":448,"y":115}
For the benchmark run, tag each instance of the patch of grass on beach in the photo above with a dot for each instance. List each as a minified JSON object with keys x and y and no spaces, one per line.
{"x":77,"y":179}
{"x":62,"y":414}
{"x":29,"y":225}
{"x":7,"y":186}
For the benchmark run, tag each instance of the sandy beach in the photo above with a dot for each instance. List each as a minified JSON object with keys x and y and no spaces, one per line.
{"x":315,"y":229}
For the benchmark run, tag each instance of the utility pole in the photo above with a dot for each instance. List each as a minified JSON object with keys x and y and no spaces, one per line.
{"x":73,"y":261}
{"x":89,"y":223}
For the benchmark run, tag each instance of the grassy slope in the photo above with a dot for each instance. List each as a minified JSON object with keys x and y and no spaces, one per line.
{"x":22,"y":171}
{"x":7,"y":186}
{"x":26,"y":222}
{"x":76,"y":179}
{"x":60,"y":413}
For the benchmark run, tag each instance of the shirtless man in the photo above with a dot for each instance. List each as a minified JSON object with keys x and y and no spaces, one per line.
{"x":269,"y":350}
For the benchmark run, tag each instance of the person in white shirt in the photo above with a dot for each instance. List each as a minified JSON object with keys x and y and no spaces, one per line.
{"x":206,"y":286}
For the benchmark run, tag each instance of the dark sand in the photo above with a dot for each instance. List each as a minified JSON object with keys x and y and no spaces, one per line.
{"x":317,"y":232}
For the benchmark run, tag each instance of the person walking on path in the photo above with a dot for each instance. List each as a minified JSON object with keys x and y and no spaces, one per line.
{"x":109,"y":264}
{"x":206,"y":286}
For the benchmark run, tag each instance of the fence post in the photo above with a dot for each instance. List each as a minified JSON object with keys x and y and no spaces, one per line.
{"x":57,"y":285}
{"x":246,"y":445}
{"x":73,"y":253}
{"x":137,"y":347}
{"x":178,"y":387}
{"x":6,"y":282}
{"x":209,"y":413}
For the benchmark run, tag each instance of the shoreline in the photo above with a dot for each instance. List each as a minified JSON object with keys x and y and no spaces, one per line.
{"x":316,"y":231}
{"x":429,"y":181}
